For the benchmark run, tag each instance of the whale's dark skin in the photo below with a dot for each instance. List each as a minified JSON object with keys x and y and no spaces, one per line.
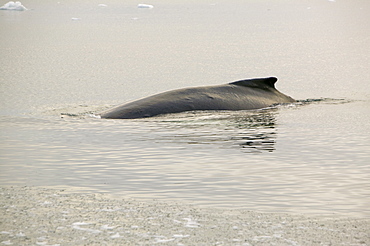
{"x":239,"y":95}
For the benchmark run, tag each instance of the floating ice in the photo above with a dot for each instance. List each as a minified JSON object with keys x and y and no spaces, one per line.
{"x":104,"y":209}
{"x":191,"y":223}
{"x":107,"y":227}
{"x":180,"y":236}
{"x":102,"y":5}
{"x":41,"y":243}
{"x":162,"y":239}
{"x":145,"y":6}
{"x":75,"y":19}
{"x":77,"y":226}
{"x":21,"y":234}
{"x":13,"y":6}
{"x":117,"y":235}
{"x":81,"y":223}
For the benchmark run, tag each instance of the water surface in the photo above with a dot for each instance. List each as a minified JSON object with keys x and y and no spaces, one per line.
{"x":62,"y":62}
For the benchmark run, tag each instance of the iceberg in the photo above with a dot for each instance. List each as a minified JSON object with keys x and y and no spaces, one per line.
{"x":13,"y":6}
{"x":145,"y":6}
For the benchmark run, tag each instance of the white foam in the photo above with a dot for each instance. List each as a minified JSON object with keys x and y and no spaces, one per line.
{"x":99,"y":117}
{"x":102,"y":5}
{"x":13,"y":6}
{"x":145,"y":6}
{"x":75,"y":18}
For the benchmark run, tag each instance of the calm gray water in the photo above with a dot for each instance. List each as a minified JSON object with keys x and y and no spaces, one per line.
{"x":63,"y":62}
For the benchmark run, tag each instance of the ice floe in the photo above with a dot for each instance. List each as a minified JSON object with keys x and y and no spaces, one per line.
{"x":7,"y":242}
{"x":107,"y":227}
{"x":13,"y":6}
{"x":77,"y":226}
{"x":21,"y":234}
{"x":117,"y":235}
{"x":191,"y":223}
{"x":145,"y":6}
{"x":180,"y":236}
{"x":163,"y":239}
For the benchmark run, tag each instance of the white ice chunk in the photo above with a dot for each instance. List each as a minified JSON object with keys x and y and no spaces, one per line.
{"x":107,"y":227}
{"x":164,"y":240}
{"x":75,"y":18}
{"x":117,"y":235}
{"x":7,"y":242}
{"x":21,"y":234}
{"x":77,"y":226}
{"x":180,"y":236}
{"x":13,"y":6}
{"x":191,"y":223}
{"x":102,"y":5}
{"x":145,"y":6}
{"x":80,"y":223}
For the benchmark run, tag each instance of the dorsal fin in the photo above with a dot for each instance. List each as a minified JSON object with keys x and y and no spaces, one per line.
{"x":263,"y":83}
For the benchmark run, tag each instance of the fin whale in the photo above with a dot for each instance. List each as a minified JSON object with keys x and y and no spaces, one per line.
{"x":239,"y":95}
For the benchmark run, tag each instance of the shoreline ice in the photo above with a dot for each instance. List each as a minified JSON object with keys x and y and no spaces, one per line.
{"x":35,"y":215}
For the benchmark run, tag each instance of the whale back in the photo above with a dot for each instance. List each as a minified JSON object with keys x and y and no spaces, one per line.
{"x":239,"y":95}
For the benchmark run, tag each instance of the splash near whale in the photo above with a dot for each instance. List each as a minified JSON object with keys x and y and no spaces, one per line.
{"x":239,"y":95}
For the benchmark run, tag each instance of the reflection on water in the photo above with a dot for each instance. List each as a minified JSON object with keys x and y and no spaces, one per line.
{"x":260,"y":132}
{"x":251,"y":131}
